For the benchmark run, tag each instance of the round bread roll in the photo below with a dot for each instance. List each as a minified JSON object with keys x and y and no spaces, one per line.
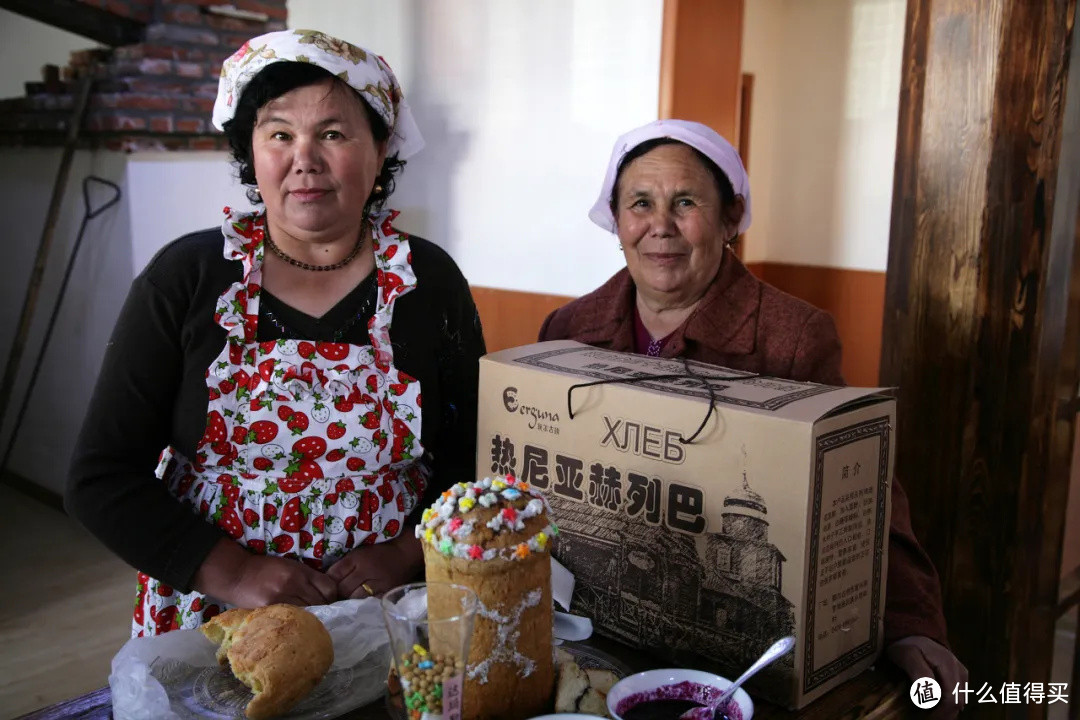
{"x":281,"y":652}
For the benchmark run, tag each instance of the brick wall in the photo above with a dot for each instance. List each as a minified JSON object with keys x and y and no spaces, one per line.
{"x":141,"y":10}
{"x":155,"y":94}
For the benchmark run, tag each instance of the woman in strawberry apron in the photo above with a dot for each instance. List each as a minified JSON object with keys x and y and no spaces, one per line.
{"x":280,"y":468}
{"x":315,"y":443}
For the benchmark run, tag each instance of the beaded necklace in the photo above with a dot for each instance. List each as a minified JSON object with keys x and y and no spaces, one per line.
{"x":319,"y":268}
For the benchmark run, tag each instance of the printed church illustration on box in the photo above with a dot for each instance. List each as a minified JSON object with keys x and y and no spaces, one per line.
{"x":716,"y":595}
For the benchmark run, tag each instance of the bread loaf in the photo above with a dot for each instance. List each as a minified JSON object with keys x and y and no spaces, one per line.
{"x":281,"y":652}
{"x":582,"y":691}
{"x":494,"y":536}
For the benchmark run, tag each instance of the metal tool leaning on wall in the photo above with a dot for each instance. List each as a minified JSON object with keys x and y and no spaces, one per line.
{"x":89,"y":214}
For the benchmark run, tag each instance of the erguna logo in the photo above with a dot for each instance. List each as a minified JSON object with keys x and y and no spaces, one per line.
{"x":536,"y":415}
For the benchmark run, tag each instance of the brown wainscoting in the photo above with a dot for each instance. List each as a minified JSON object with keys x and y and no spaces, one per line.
{"x":511,"y":317}
{"x":855,"y":298}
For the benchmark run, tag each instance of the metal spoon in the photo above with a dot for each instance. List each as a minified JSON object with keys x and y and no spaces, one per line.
{"x":717,"y":711}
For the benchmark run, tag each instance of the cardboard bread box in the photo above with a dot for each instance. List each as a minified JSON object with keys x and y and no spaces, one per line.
{"x":773,"y":520}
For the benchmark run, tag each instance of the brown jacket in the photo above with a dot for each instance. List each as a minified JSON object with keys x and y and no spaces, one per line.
{"x":745,"y":324}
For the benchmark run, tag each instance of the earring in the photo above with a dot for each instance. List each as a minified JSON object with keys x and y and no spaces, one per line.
{"x":620,"y":247}
{"x":377,"y":190}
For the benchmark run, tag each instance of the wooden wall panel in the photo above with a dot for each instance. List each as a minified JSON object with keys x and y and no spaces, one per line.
{"x":511,"y":317}
{"x":855,"y":299}
{"x":701,"y":61}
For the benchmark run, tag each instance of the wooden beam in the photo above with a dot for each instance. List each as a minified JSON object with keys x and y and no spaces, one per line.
{"x":700,"y":63}
{"x":80,"y":18}
{"x":746,"y":105}
{"x":669,"y":40}
{"x":982,"y":314}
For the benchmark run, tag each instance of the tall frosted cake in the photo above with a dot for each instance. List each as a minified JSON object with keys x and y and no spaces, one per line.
{"x":494,"y":537}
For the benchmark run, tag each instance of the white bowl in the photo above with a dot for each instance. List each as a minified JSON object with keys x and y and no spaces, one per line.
{"x":653,"y":679}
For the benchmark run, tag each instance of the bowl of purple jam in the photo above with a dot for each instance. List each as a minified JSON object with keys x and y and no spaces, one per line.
{"x":667,"y":694}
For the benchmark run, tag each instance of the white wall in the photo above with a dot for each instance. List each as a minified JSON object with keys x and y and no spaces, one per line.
{"x":762,"y":55}
{"x":100,"y":279}
{"x":520,"y":103}
{"x":175,"y":193}
{"x":26,"y":45}
{"x":164,"y":196}
{"x":823,"y":129}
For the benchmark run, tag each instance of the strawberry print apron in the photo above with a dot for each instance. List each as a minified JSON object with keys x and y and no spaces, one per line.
{"x":311,"y":448}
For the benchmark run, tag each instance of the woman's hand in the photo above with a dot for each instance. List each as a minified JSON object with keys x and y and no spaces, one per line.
{"x":920,"y":657}
{"x":380,"y":567}
{"x":234,"y":575}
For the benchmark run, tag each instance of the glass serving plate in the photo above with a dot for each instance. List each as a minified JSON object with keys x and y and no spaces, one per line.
{"x":212,"y":692}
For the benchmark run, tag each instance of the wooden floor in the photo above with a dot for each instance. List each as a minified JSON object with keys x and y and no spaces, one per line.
{"x":65,"y":606}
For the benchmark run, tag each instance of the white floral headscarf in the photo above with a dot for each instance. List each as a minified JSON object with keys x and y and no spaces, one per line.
{"x":362,"y":70}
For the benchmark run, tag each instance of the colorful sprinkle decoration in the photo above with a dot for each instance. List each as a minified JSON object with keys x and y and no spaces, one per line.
{"x":442,"y":525}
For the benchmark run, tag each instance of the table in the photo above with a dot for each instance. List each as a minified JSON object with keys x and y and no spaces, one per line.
{"x":878,"y":694}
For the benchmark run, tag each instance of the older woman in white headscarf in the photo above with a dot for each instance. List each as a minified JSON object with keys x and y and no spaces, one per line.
{"x":677,"y":196}
{"x":309,"y":370}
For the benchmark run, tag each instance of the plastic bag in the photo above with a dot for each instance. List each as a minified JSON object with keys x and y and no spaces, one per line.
{"x":175,"y":676}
